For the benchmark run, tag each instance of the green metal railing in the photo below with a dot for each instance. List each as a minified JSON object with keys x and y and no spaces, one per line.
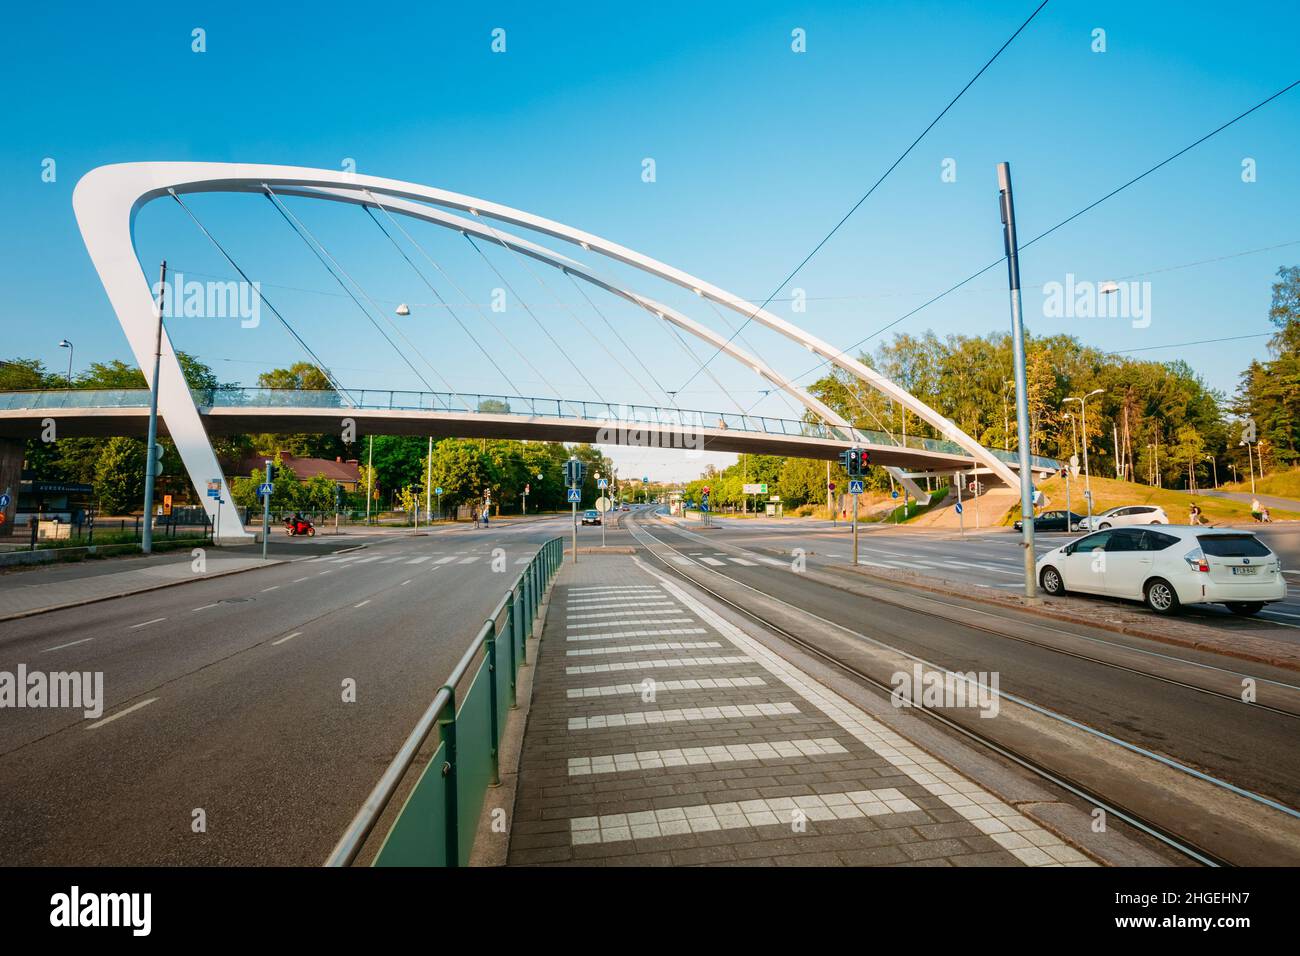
{"x":437,"y":823}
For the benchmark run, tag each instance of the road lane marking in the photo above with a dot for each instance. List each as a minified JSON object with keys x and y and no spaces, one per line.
{"x":122,"y":713}
{"x":204,"y":607}
{"x":742,"y":561}
{"x":446,"y":560}
{"x":405,"y":583}
{"x":362,"y":604}
{"x":147,"y":623}
{"x":420,"y":560}
{"x":299,"y":581}
{"x":713,"y":561}
{"x":273,"y":587}
{"x":323,"y":572}
{"x":59,"y":647}
{"x":470,"y":560}
{"x":287,"y":637}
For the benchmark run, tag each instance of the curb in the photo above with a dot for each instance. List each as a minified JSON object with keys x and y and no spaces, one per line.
{"x":33,"y":612}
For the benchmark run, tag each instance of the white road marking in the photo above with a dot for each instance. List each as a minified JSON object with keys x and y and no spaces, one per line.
{"x":378,"y":557}
{"x":362,"y":604}
{"x":59,"y":647}
{"x":656,"y":664}
{"x":637,"y":648}
{"x":699,"y":683}
{"x":322,"y":572}
{"x":273,"y":587}
{"x":287,"y":637}
{"x":122,"y":713}
{"x":470,"y":560}
{"x":147,"y":623}
{"x":646,"y":718}
{"x":742,"y":561}
{"x":299,"y":581}
{"x":203,"y":607}
{"x":662,"y":620}
{"x":446,"y":560}
{"x":405,"y":583}
{"x":713,"y":561}
{"x":420,"y":560}
{"x":655,"y":759}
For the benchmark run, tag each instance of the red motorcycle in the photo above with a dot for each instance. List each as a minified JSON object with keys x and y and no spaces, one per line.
{"x":301,"y":526}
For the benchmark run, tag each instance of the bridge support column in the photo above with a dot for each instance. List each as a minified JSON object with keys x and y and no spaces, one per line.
{"x":12,"y":451}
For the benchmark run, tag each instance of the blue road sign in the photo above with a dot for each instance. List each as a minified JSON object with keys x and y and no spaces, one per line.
{"x":893,"y":494}
{"x":959,"y":509}
{"x":264,"y":489}
{"x":645,"y":480}
{"x":437,"y":491}
{"x":575,"y":495}
{"x":856,"y":487}
{"x":602,"y":482}
{"x":4,"y":501}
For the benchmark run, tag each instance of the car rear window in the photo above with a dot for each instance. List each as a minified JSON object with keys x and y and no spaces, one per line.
{"x":1233,"y":546}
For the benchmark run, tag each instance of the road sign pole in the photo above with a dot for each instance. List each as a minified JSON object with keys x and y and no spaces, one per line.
{"x":151,"y":463}
{"x":961,"y":515}
{"x":977,"y":500}
{"x":266,"y":512}
{"x":1008,"y":209}
{"x":855,"y":530}
{"x":575,"y":532}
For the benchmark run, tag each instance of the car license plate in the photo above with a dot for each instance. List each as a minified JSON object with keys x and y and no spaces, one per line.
{"x":1244,"y":570}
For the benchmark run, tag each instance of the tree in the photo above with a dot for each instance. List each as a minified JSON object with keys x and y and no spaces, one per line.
{"x":119,"y":476}
{"x":21,"y":374}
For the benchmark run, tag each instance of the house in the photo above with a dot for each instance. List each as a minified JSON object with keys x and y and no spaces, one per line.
{"x":345,"y":473}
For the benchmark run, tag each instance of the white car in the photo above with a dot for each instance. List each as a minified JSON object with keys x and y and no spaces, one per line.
{"x":1169,"y":567}
{"x":1125,"y":515}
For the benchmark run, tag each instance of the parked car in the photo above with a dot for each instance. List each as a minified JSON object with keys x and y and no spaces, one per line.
{"x":1124,"y":515}
{"x":591,"y":516}
{"x":1177,"y":565}
{"x":1055,"y":521}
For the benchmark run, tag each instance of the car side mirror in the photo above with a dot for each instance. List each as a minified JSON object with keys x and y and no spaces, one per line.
{"x":1069,"y":549}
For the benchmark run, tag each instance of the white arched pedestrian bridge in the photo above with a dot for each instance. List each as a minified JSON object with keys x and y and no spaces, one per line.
{"x":108,"y":198}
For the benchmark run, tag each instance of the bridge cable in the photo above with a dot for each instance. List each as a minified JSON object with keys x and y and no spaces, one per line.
{"x":274,"y":311}
{"x":1048,"y":232}
{"x":312,"y":244}
{"x":523,"y":260}
{"x":545,"y":331}
{"x":474,"y":305}
{"x":883,"y":176}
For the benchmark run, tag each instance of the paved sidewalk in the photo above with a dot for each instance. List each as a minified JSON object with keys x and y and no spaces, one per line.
{"x":661,"y":734}
{"x":42,"y":589}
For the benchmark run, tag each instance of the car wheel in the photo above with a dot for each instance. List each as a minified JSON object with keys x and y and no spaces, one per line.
{"x":1074,"y":527}
{"x":1052,"y":582}
{"x":1245,"y":608}
{"x":1103,"y":526}
{"x":1161,"y":596}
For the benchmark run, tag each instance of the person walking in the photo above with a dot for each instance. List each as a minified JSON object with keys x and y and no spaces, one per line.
{"x":1255,"y":510}
{"x":474,"y":515}
{"x":1194,"y":514}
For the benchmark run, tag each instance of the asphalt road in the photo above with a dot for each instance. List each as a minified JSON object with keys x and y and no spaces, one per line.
{"x":992,"y":559}
{"x":226,"y":696}
{"x":1141,"y":703}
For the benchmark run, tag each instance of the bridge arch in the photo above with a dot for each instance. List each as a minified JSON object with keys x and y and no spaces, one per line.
{"x":107,"y":199}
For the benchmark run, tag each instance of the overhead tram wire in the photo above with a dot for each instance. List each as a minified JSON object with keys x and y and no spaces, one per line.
{"x":274,"y":311}
{"x":474,"y":305}
{"x":1043,"y":235}
{"x":523,"y":261}
{"x":321,"y":253}
{"x":885,"y":175}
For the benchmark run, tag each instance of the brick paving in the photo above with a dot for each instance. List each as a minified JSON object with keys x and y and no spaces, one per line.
{"x":711,"y":750}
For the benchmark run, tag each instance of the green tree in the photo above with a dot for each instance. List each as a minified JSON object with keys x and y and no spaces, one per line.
{"x":119,"y":476}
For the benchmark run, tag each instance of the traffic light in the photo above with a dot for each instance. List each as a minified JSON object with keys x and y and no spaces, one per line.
{"x":854,"y":461}
{"x":574,"y":472}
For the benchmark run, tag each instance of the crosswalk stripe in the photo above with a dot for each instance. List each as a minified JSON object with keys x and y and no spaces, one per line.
{"x":656,"y":759}
{"x":420,"y":560}
{"x":746,"y":563}
{"x":713,"y":561}
{"x":638,"y":648}
{"x":646,"y":718}
{"x":446,"y":560}
{"x":470,"y":560}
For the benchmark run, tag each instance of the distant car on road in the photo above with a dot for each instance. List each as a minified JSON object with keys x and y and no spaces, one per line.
{"x":1055,"y":521}
{"x":591,"y":516}
{"x":626,"y":508}
{"x":1177,"y":565}
{"x":1123,"y":516}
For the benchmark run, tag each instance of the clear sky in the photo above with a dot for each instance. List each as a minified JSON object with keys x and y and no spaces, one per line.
{"x":758,"y":151}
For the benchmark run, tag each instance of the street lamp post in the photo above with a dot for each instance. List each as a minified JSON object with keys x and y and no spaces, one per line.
{"x":1083,"y":427}
{"x":1250,"y":459}
{"x":151,"y":462}
{"x":65,"y":344}
{"x":1008,"y":211}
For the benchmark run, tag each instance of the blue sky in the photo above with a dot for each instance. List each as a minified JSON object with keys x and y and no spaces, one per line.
{"x":758,"y":152}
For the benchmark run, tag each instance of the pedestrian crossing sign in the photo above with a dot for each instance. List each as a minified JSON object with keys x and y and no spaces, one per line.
{"x":856,"y":487}
{"x":575,"y":496}
{"x":602,"y":482}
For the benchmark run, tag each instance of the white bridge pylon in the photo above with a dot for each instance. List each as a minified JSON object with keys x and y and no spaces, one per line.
{"x":107,"y":199}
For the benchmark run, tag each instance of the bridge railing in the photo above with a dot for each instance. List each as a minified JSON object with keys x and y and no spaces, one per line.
{"x":437,"y":823}
{"x":608,"y":414}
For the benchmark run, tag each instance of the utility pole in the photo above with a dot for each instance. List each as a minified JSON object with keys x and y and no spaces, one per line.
{"x":1007,"y":206}
{"x":266,"y":510}
{"x":370,"y":478}
{"x":151,"y":463}
{"x":428,"y":482}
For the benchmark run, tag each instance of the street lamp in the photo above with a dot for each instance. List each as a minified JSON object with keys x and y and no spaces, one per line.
{"x":1214,"y":465}
{"x":1083,"y":427}
{"x":1250,"y":458}
{"x":403,"y":309}
{"x":65,"y":344}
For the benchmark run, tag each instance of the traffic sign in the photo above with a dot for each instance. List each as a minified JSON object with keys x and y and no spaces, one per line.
{"x":831,"y":486}
{"x":438,"y":490}
{"x":4,"y":501}
{"x":959,"y":508}
{"x":264,"y":489}
{"x":575,"y":495}
{"x":856,"y":487}
{"x":214,"y":487}
{"x":602,"y":482}
{"x":893,"y":494}
{"x":645,"y":480}
{"x":603,"y":504}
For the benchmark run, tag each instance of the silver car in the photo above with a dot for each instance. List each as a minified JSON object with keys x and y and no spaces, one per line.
{"x":1124,"y":515}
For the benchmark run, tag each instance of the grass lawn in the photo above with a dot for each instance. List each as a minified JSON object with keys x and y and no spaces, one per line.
{"x":1108,"y":493}
{"x":1284,"y":484}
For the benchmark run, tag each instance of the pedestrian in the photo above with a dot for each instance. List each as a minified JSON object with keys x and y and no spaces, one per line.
{"x":1265,"y":516}
{"x":1255,"y":510}
{"x":474,"y":515}
{"x":1194,"y":514}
